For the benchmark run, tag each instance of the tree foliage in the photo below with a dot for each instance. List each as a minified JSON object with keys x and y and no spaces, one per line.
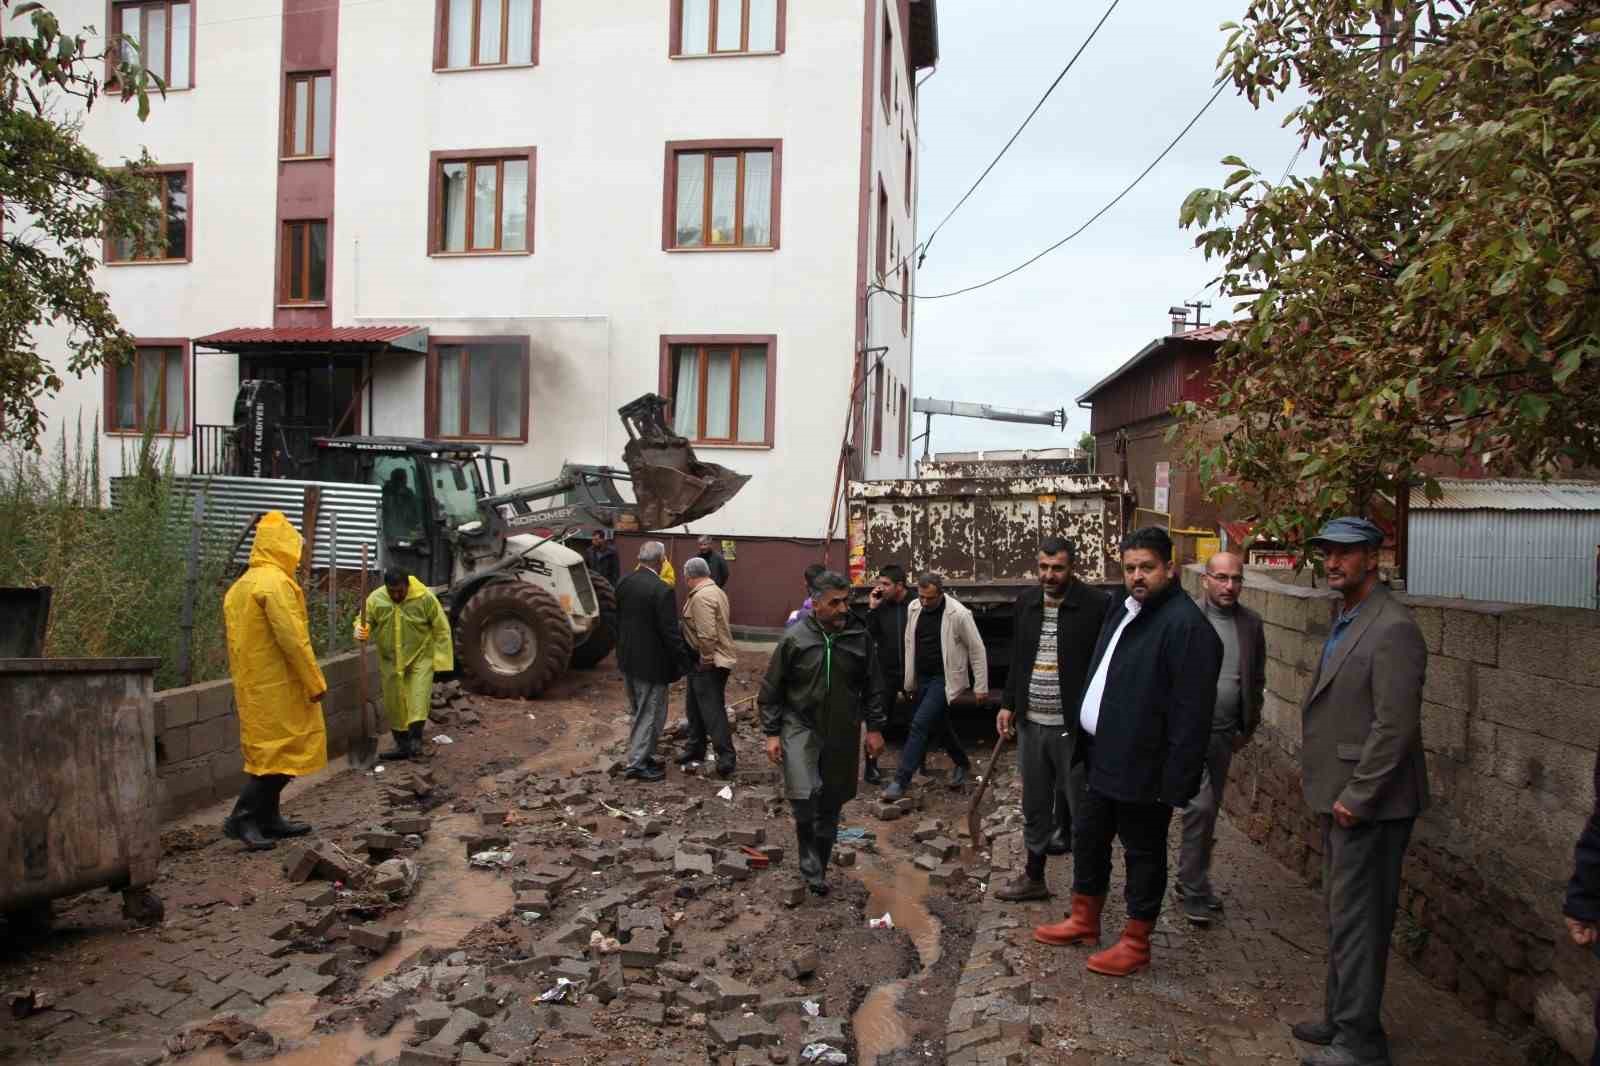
{"x":59,"y":201}
{"x":1430,"y":299}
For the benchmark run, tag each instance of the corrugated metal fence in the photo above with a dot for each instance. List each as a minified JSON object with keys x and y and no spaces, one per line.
{"x":232,"y":501}
{"x":1544,"y":557}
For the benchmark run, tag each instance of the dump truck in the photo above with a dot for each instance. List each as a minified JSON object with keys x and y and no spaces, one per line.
{"x":979,"y":524}
{"x":524,"y":606}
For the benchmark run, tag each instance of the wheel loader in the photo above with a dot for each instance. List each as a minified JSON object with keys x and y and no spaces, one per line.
{"x":524,"y":606}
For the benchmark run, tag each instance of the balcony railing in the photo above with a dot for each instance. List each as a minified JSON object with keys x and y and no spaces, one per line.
{"x":216,"y":450}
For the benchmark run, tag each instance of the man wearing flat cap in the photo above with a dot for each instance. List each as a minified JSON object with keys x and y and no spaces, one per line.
{"x":1361,"y":760}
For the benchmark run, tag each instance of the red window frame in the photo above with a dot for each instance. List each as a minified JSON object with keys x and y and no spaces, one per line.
{"x":441,"y":39}
{"x":109,"y":381}
{"x":483,"y":344}
{"x":290,"y":269}
{"x":905,"y":422}
{"x":712,"y":149}
{"x":291,"y":114}
{"x":478,"y":157}
{"x":671,"y":344}
{"x":675,"y":32}
{"x":887,"y":73}
{"x":162,"y":172}
{"x":114,"y":9}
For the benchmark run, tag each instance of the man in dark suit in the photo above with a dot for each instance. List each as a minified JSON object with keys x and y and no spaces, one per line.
{"x":1057,"y":625}
{"x":1241,"y":688}
{"x":651,"y":654}
{"x":1362,"y":766}
{"x":1143,"y":724}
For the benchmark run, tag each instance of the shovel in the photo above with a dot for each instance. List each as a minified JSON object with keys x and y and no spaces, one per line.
{"x":363,"y":754}
{"x":977,"y":797}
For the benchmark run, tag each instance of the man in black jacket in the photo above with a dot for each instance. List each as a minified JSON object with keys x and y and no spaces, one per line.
{"x":650,"y":654}
{"x":706,"y":548}
{"x":1582,"y":906}
{"x":1057,"y":625}
{"x":1143,"y":725}
{"x":886,"y":620}
{"x":822,"y":682}
{"x":601,"y":558}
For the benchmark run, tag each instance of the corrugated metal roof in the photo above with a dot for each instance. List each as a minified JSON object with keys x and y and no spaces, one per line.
{"x":1203,"y":335}
{"x":411,"y":338}
{"x":1510,"y":494}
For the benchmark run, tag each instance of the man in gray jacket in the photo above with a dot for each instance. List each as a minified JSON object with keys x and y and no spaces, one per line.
{"x":1362,"y":765}
{"x":1241,"y":687}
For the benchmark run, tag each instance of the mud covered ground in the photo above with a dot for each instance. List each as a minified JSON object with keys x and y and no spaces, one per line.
{"x":679,"y":946}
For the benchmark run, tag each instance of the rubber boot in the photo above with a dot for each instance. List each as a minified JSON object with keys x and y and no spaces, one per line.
{"x":273,"y":823}
{"x":824,"y":834}
{"x":1081,"y":926}
{"x":416,"y":736}
{"x":805,"y":835}
{"x":1130,"y":954}
{"x":244,"y":824}
{"x":402,"y":746}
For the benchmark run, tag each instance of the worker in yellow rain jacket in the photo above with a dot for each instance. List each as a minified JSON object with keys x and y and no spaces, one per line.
{"x":277,"y":685}
{"x":668,"y":576}
{"x":413,"y":637}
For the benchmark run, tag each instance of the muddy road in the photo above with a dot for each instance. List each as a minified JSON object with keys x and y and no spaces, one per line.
{"x":511,"y":898}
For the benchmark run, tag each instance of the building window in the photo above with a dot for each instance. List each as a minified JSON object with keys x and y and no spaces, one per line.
{"x":905,"y":422}
{"x":723,"y":194}
{"x":482,"y":202}
{"x":305,"y":262}
{"x":886,"y":75}
{"x":486,"y":33}
{"x":168,"y":240}
{"x":721,"y":388}
{"x":308,"y":115}
{"x":908,"y":175}
{"x":877,"y":408}
{"x":150,"y":389}
{"x":726,"y":27}
{"x":478,"y":388}
{"x":158,"y":35}
{"x":883,"y":230}
{"x":905,"y":299}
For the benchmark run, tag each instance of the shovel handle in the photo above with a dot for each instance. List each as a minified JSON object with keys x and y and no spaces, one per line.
{"x":983,"y":786}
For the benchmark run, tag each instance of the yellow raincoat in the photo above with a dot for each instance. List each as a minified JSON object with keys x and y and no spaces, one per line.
{"x":413,"y":640}
{"x":274,"y":670}
{"x":668,"y":576}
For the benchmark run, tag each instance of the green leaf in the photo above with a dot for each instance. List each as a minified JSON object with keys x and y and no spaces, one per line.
{"x":1567,"y":366}
{"x":1469,"y":400}
{"x":1532,"y":407}
{"x":1504,"y":283}
{"x":1556,"y":287}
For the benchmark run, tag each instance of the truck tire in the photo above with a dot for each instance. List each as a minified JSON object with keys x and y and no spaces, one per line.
{"x":603,"y":637}
{"x":515,"y":639}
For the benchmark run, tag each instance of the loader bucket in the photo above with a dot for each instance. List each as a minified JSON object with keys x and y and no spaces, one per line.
{"x":670,"y":485}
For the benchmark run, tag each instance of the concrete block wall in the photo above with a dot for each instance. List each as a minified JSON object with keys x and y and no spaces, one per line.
{"x":1511,"y":723}
{"x":197,"y":734}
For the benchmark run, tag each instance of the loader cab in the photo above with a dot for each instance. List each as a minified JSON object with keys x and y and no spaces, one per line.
{"x":430,"y":492}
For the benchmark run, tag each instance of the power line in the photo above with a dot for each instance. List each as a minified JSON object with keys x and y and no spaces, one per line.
{"x":1092,"y":218}
{"x":929,"y":242}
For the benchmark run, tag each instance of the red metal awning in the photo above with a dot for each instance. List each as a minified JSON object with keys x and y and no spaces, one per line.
{"x":247,"y":339}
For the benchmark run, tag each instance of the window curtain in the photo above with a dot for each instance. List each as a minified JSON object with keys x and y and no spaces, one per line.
{"x":155,"y":40}
{"x":322,"y":112}
{"x":480,"y":392}
{"x":757,"y":198}
{"x":150,"y":366}
{"x":508,"y":399}
{"x":301,"y":88}
{"x":728,"y":16}
{"x":489,"y":32}
{"x":763,"y":25}
{"x":449,"y":392}
{"x":691,"y":200}
{"x":179,"y":72}
{"x":719,"y":394}
{"x":317,"y":279}
{"x":484,"y":207}
{"x":127,"y":409}
{"x":519,"y":32}
{"x":686,"y":394}
{"x":514,"y":206}
{"x":173,"y":390}
{"x":458,"y":34}
{"x":454,"y":193}
{"x":753,"y":395}
{"x":177,"y":207}
{"x":724,"y":187}
{"x":696,"y":28}
{"x":129,"y":29}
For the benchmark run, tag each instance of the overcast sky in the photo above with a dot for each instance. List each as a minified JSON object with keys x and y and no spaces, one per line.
{"x":1039,"y":339}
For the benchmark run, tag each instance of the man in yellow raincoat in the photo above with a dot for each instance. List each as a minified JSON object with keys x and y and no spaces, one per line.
{"x":277,"y":685}
{"x":413,"y":635}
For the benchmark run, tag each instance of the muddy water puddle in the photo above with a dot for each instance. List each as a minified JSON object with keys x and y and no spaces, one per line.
{"x":880,"y":1026}
{"x":289,"y":1018}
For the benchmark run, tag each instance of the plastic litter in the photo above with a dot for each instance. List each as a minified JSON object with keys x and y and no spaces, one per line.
{"x":855,"y":836}
{"x":491,"y":859}
{"x":726,"y":793}
{"x":886,"y":922}
{"x":812,"y":1008}
{"x":379,"y":768}
{"x":529,"y":917}
{"x":564,"y":987}
{"x":823,"y":1053}
{"x":440,"y":738}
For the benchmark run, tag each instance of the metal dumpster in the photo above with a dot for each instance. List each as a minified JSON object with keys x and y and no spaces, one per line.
{"x":77,"y":757}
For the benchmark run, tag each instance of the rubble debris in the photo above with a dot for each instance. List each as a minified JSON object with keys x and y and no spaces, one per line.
{"x":563,"y":988}
{"x":370,"y":938}
{"x":822,"y":1054}
{"x":491,"y":860}
{"x":397,"y":877}
{"x":886,"y":922}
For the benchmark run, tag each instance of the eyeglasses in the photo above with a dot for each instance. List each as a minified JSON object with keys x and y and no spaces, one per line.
{"x":1226,"y":579}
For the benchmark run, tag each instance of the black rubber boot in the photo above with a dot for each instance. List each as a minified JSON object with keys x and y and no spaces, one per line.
{"x":244,"y":823}
{"x":273,"y":823}
{"x":825,"y":831}
{"x":416,"y":736}
{"x":402,"y":746}
{"x":805,"y":816}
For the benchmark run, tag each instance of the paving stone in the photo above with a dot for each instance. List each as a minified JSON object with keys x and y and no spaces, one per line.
{"x":749,"y":836}
{"x":733,"y":866}
{"x":887,"y":812}
{"x":650,"y":1013}
{"x":925,"y":862}
{"x":645,"y":948}
{"x":942,"y":848}
{"x":373,"y":939}
{"x":462,"y":1026}
{"x":427,"y":1055}
{"x":727,"y":993}
{"x":844,"y":857}
{"x":803,"y":963}
{"x":430,"y":1015}
{"x":595,"y":858}
{"x":630,"y":918}
{"x":304,"y":979}
{"x":150,"y":997}
{"x":792,"y":895}
{"x":410,"y":825}
{"x":688,"y":863}
{"x":825,"y":1030}
{"x":743,"y":1030}
{"x":260,"y":989}
{"x":514,"y":1033}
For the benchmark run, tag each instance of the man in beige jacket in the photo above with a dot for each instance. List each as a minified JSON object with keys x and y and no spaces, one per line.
{"x":706,"y":631}
{"x":942,"y":650}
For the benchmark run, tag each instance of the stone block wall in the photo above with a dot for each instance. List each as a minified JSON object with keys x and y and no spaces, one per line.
{"x":197,"y":734}
{"x":1510,"y":725}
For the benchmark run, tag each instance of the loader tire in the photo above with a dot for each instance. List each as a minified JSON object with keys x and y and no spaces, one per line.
{"x":603,"y":637}
{"x":515,"y":639}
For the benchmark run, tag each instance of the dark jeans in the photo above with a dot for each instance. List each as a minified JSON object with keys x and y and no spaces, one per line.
{"x":707,"y":712}
{"x":1142,"y":828}
{"x":929,"y":719}
{"x":1361,"y":875}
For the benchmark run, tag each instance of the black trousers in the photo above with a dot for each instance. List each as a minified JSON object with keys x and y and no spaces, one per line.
{"x":1361,"y":875}
{"x":1044,"y":756}
{"x":707,"y":712}
{"x":1142,"y":828}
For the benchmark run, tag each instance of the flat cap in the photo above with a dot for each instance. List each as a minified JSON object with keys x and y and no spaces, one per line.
{"x":1349,"y":530}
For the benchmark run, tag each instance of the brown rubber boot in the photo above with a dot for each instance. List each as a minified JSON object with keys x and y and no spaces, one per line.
{"x":1081,"y":926}
{"x":1128,"y":955}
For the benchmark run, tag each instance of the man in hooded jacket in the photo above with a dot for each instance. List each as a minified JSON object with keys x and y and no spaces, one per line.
{"x":413,"y":642}
{"x":277,"y":684}
{"x":822,"y":682}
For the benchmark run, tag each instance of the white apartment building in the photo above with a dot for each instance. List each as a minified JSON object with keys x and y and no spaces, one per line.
{"x":498,"y":220}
